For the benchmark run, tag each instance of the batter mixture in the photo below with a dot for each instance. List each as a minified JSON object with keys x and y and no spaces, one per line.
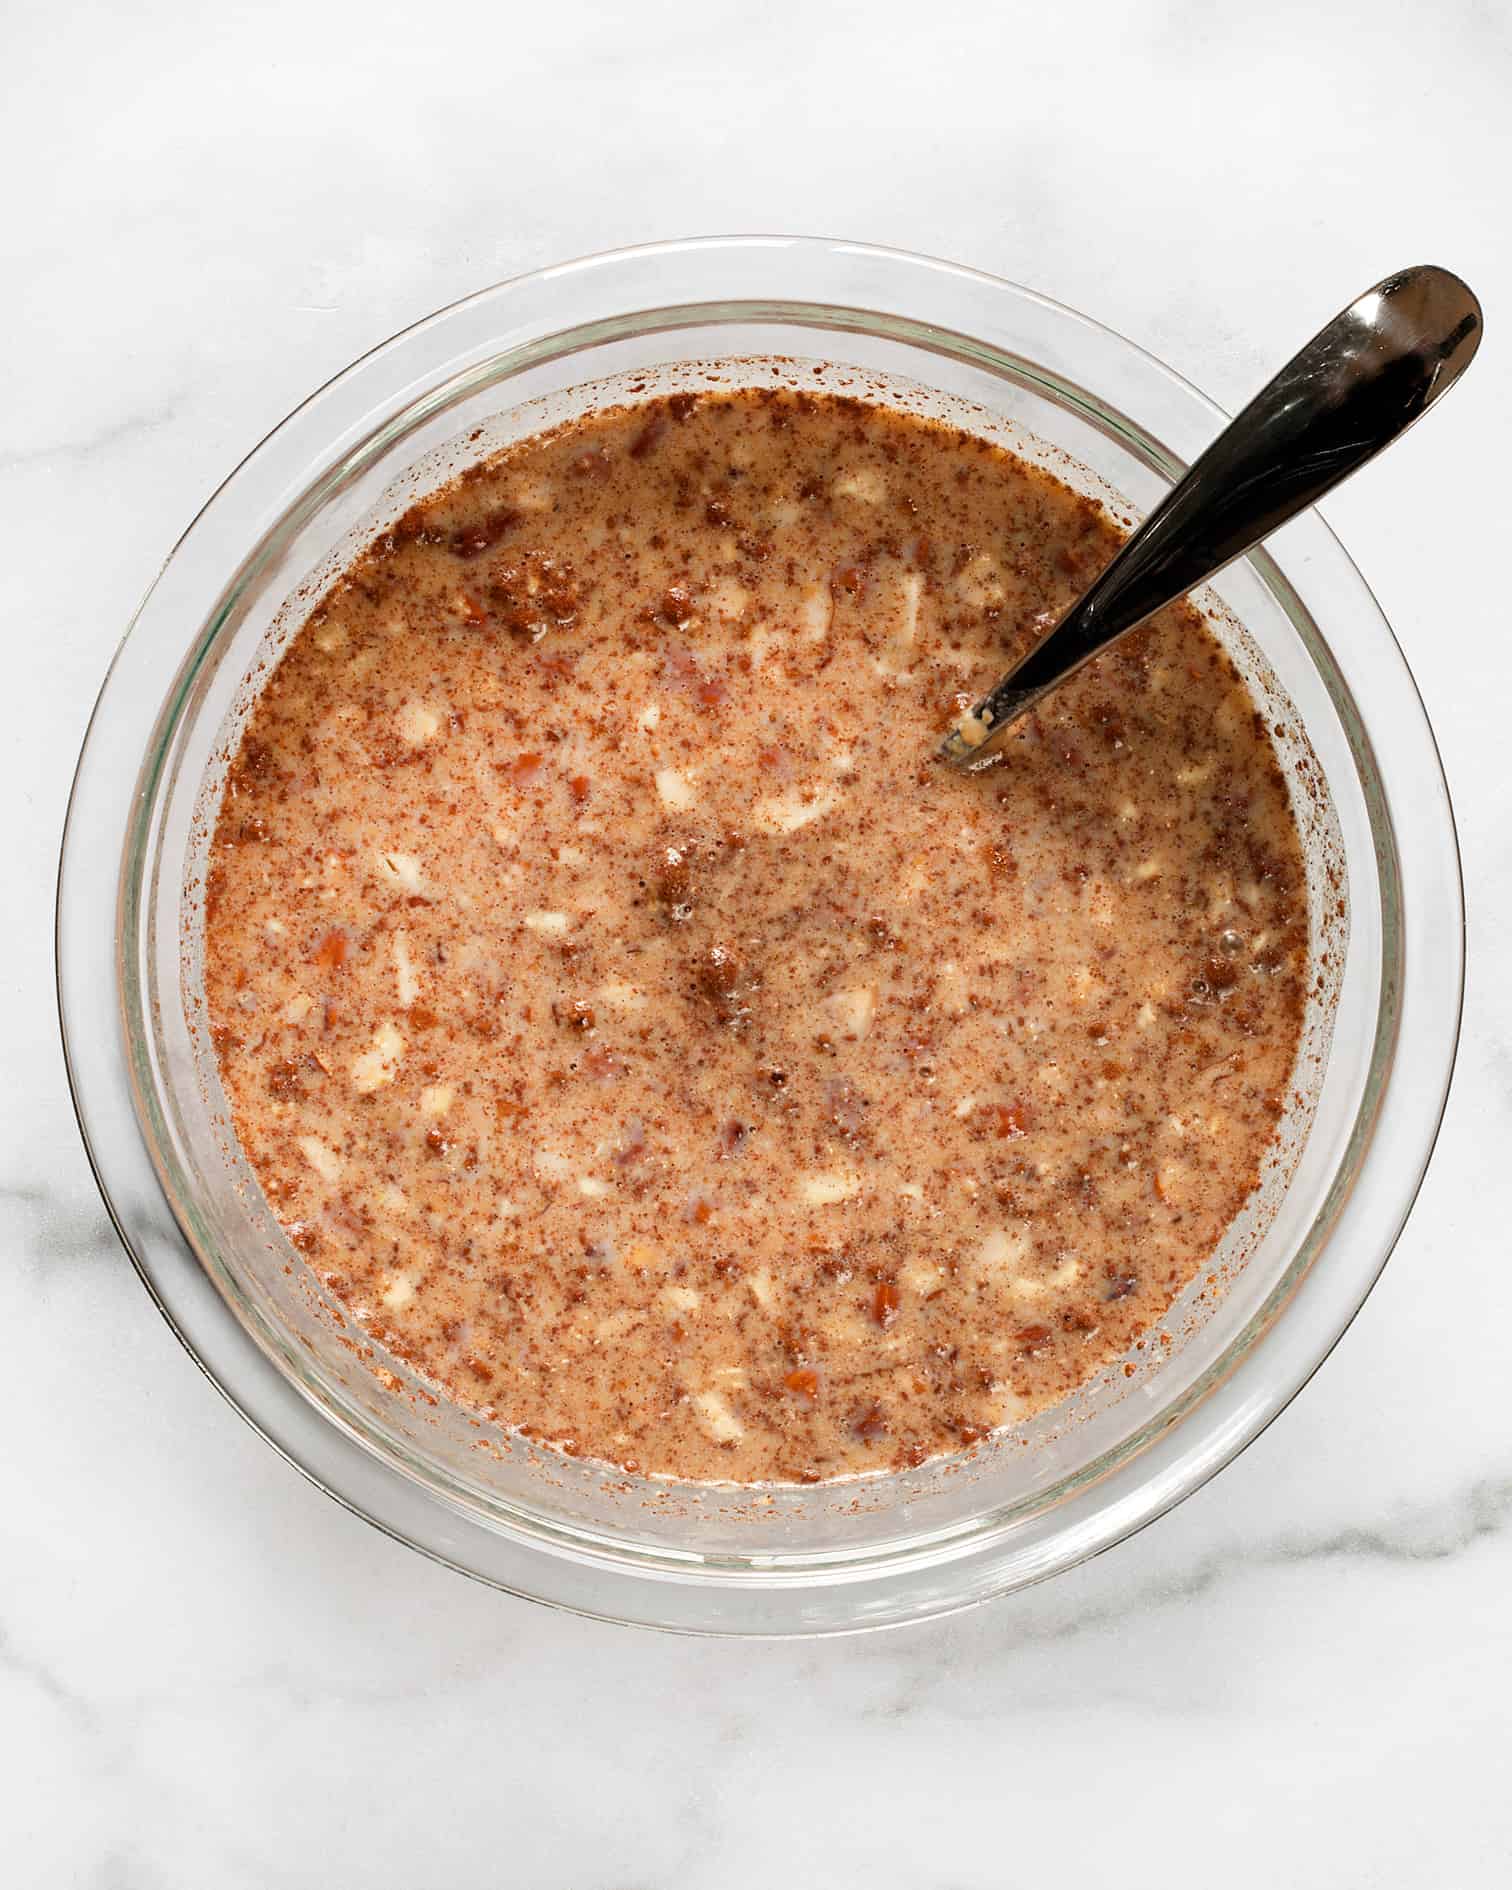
{"x":640,"y":1033}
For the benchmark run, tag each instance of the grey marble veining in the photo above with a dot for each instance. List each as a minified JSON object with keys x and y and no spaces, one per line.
{"x":211,"y":1674}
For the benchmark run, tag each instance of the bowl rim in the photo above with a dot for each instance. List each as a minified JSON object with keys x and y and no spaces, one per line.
{"x":197,"y":1315}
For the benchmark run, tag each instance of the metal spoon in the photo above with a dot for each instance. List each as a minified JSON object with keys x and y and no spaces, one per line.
{"x":1357,"y":385}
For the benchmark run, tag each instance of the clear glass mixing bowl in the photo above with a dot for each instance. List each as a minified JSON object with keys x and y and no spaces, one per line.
{"x":1369,"y":1092}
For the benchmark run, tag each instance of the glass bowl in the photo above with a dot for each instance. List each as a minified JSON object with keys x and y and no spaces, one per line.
{"x":1384,"y":889}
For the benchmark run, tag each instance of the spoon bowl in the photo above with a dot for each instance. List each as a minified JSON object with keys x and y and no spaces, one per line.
{"x":1353,"y":389}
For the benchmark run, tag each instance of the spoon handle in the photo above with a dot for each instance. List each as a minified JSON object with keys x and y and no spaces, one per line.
{"x":1357,"y":385}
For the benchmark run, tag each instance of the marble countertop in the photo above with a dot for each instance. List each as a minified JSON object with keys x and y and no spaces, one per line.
{"x":211,"y":1674}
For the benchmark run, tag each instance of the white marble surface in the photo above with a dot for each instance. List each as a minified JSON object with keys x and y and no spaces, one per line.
{"x":210,"y":1674}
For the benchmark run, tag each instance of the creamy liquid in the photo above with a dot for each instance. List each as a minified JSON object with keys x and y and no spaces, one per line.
{"x":646,"y":1040}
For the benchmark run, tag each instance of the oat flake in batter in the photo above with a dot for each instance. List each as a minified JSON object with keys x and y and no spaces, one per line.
{"x":647,"y":1041}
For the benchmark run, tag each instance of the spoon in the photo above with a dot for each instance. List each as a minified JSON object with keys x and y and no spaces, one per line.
{"x":1357,"y":385}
